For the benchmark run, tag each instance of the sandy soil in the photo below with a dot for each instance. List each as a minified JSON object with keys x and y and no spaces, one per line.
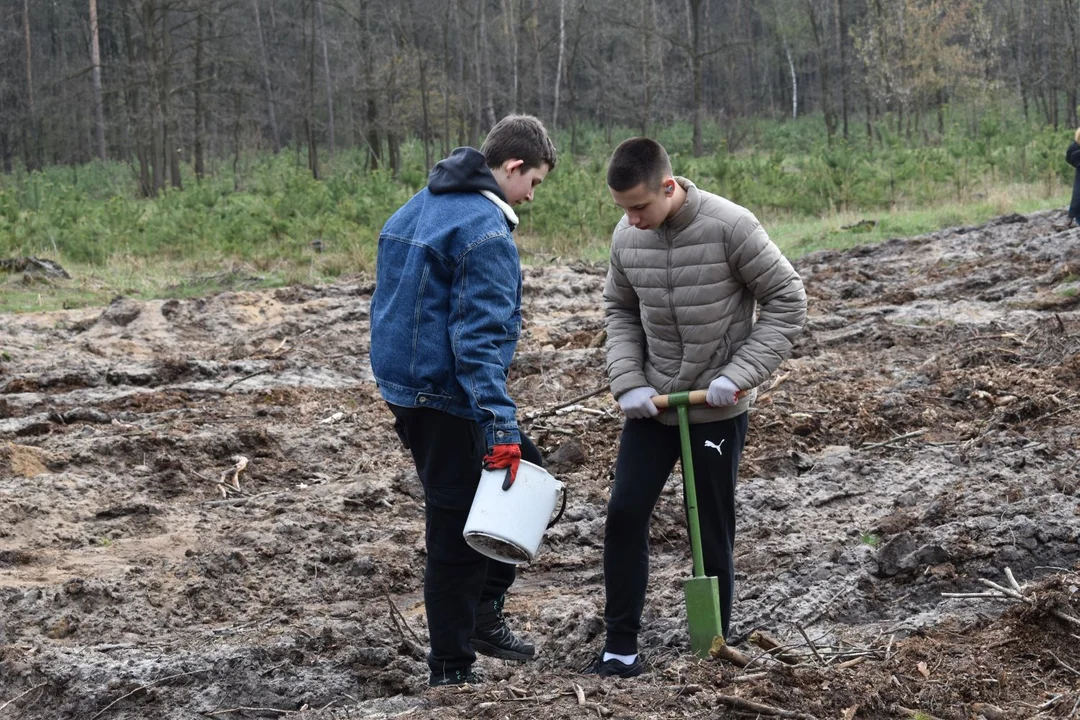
{"x":923,"y":438}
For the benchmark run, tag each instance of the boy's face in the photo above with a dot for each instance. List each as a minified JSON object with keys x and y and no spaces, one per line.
{"x":517,"y":184}
{"x":646,"y":207}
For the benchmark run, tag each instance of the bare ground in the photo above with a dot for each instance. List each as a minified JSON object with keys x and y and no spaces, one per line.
{"x":922,"y":438}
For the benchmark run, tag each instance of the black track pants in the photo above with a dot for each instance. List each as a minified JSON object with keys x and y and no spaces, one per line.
{"x":648,"y":451}
{"x":448,"y":452}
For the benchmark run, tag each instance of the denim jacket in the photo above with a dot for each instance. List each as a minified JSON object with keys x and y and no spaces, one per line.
{"x":446,"y":312}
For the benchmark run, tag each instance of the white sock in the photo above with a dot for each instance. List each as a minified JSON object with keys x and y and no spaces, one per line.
{"x":624,"y":659}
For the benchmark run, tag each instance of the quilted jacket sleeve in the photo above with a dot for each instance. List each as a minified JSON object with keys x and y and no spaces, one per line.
{"x":758,"y":264}
{"x":625,"y":336}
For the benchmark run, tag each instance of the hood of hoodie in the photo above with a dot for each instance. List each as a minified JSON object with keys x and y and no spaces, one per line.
{"x":465,"y":170}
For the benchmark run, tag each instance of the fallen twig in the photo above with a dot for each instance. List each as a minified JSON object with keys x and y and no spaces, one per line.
{"x":1063,"y":664}
{"x":247,"y":377}
{"x":536,"y":414}
{"x":242,"y":500}
{"x":774,"y":647}
{"x":559,"y":430}
{"x":251,"y":709}
{"x":1016,"y":592}
{"x":851,"y":663}
{"x":36,"y":687}
{"x":146,"y":687}
{"x":395,"y":613}
{"x":737,"y":703}
{"x":898,"y":438}
{"x":750,"y":677}
{"x":722,"y":651}
{"x":809,"y":644}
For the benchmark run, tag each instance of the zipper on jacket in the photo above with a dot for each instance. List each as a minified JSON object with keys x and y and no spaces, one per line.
{"x":671,"y":293}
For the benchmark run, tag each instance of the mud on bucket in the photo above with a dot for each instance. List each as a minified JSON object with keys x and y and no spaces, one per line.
{"x":508,"y":525}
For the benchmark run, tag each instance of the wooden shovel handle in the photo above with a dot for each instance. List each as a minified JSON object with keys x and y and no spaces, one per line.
{"x":697,"y":397}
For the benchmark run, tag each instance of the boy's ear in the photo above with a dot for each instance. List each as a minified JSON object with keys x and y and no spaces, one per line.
{"x":669,"y":186}
{"x":511,"y":165}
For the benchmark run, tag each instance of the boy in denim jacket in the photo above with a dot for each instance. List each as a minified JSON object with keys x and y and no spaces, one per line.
{"x":445,"y":320}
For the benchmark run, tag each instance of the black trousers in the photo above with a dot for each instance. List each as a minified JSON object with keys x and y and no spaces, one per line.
{"x":648,"y":451}
{"x":448,"y":452}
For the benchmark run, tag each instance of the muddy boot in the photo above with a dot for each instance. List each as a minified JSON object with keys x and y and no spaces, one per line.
{"x":492,"y":637}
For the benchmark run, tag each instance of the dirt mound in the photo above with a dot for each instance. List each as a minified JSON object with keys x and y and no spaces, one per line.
{"x":921,"y":440}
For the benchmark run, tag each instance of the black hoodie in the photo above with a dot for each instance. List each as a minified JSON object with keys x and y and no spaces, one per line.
{"x":465,"y":170}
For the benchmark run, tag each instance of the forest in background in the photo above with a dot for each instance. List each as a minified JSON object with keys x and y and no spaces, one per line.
{"x":164,"y":84}
{"x":176,"y":147}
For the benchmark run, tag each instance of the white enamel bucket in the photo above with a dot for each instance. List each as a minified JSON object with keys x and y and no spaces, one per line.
{"x":508,"y":525}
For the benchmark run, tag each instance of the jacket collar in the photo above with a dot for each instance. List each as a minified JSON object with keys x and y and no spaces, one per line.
{"x":511,"y":216}
{"x":689,"y":209}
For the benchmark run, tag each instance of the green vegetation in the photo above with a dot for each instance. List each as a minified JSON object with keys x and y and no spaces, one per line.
{"x":870,"y":539}
{"x":257,"y":228}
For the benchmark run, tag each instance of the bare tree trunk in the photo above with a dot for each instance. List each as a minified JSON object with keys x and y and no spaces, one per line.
{"x":132,"y":99}
{"x":275,"y":135}
{"x":157,"y":121}
{"x":309,"y":120}
{"x":200,"y":119}
{"x":447,"y":62}
{"x":487,"y":105}
{"x":538,"y":60}
{"x":329,"y":81}
{"x":372,"y":135}
{"x":511,"y":36}
{"x":571,"y":84}
{"x":171,"y":134}
{"x":95,"y":65}
{"x":558,"y":67}
{"x":30,"y":128}
{"x":794,"y":80}
{"x":841,"y":38}
{"x":696,"y":74}
{"x":821,"y":42}
{"x":648,"y":22}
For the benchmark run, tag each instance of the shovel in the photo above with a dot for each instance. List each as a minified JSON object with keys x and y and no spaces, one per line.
{"x":702,"y":593}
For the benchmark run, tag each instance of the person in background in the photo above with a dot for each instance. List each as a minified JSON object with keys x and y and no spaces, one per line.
{"x":697,"y":296}
{"x":1072,"y":156}
{"x":445,"y":320}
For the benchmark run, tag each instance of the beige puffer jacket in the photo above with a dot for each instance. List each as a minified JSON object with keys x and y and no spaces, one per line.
{"x":680,"y":302}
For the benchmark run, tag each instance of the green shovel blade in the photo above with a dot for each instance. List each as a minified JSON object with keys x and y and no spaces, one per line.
{"x":702,"y":613}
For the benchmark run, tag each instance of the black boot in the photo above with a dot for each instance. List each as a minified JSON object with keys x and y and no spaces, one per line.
{"x":453,"y":677}
{"x":492,"y":637}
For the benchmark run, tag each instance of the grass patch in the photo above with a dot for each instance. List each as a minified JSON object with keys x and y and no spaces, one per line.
{"x":870,"y":539}
{"x":260,"y":228}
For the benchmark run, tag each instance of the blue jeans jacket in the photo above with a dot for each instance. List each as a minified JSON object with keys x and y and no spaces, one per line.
{"x":446,"y":312}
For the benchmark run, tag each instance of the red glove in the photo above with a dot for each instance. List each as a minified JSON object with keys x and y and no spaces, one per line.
{"x":504,"y":456}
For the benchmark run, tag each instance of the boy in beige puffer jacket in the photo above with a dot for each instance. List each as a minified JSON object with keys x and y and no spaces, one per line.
{"x":696,"y":296}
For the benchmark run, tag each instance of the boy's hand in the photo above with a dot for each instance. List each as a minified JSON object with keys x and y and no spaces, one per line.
{"x":637,"y":404}
{"x":722,"y":393}
{"x":504,"y":456}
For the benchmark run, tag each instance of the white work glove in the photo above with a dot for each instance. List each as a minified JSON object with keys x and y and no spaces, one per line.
{"x":637,"y":403}
{"x":722,"y":393}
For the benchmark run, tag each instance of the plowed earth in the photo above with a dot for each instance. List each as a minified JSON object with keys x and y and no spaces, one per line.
{"x":922,"y":438}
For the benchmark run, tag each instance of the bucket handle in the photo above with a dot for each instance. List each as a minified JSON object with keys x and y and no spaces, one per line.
{"x":565,"y":492}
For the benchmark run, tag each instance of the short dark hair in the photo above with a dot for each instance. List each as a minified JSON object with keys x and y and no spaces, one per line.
{"x":637,"y":161}
{"x":519,"y":137}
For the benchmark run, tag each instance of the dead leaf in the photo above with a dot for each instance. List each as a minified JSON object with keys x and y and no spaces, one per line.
{"x":923,"y":670}
{"x":849,"y":713}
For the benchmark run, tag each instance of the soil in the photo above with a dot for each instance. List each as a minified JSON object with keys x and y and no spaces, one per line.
{"x":922,"y":438}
